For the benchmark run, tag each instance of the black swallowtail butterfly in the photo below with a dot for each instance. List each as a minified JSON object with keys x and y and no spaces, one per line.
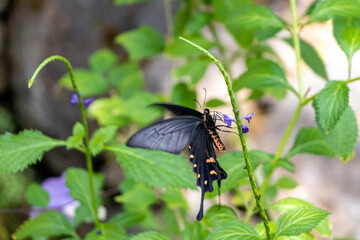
{"x":192,"y":128}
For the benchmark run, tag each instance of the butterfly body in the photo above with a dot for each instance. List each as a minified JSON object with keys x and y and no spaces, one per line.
{"x":192,"y":128}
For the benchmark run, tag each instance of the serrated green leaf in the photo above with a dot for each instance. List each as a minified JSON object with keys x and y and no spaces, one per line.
{"x":77,"y":180}
{"x":324,"y":228}
{"x":18,"y":151}
{"x":100,"y":138}
{"x":102,"y":60}
{"x":310,"y":140}
{"x":212,"y":103}
{"x":303,"y":236}
{"x":123,"y":2}
{"x":195,"y":69}
{"x":89,"y":82}
{"x":127,"y":78}
{"x":106,"y":231}
{"x":299,"y":220}
{"x":46,"y":224}
{"x":142,"y":43}
{"x":150,"y":236}
{"x":76,"y":140}
{"x":109,"y":111}
{"x":233,"y":163}
{"x":347,"y":34}
{"x":343,"y":137}
{"x":179,"y":48}
{"x":36,"y":195}
{"x":286,"y":182}
{"x":331,"y":102}
{"x":224,"y":7}
{"x":328,"y":9}
{"x":261,"y":73}
{"x":155,"y":168}
{"x":82,"y":214}
{"x":254,"y":16}
{"x":311,"y":57}
{"x":234,"y":230}
{"x":217,"y":217}
{"x":174,"y":199}
{"x":287,"y":204}
{"x":183,"y":95}
{"x":128,"y":219}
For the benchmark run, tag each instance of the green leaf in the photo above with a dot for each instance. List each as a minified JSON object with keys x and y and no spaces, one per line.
{"x":46,"y":224}
{"x":260,"y":229}
{"x":195,"y":230}
{"x":195,"y":69}
{"x":138,"y":108}
{"x":183,"y":95}
{"x":36,"y":195}
{"x":303,"y":236}
{"x":234,"y":230}
{"x":142,"y":43}
{"x":108,"y":232}
{"x":199,"y":20}
{"x":347,"y":34}
{"x":150,"y":236}
{"x":123,"y":2}
{"x":100,"y":138}
{"x":139,"y":198}
{"x":77,"y":180}
{"x":324,"y":228}
{"x":286,"y":164}
{"x":109,"y":111}
{"x":217,"y":217}
{"x":127,"y":78}
{"x":128,"y":219}
{"x":179,"y":48}
{"x":18,"y":151}
{"x":286,"y":182}
{"x":311,"y":57}
{"x":182,"y":17}
{"x":343,"y":137}
{"x":310,"y":140}
{"x":261,"y":73}
{"x":174,"y":199}
{"x":328,"y":9}
{"x":155,"y":168}
{"x":299,"y":220}
{"x":331,"y":102}
{"x":102,"y":60}
{"x":255,"y":17}
{"x":76,"y":140}
{"x":287,"y":204}
{"x":224,"y":7}
{"x":212,"y":103}
{"x":89,"y":82}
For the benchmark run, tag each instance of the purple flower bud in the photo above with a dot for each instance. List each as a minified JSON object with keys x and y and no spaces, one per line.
{"x":227,"y":120}
{"x":75,"y":101}
{"x":244,"y":128}
{"x":248,"y":117}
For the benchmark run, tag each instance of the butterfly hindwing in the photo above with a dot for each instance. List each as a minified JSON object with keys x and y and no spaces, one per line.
{"x":171,"y":135}
{"x":205,"y":165}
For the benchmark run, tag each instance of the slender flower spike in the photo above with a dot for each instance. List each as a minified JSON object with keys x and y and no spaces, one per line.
{"x":75,"y":101}
{"x":248,"y":117}
{"x":227,"y":120}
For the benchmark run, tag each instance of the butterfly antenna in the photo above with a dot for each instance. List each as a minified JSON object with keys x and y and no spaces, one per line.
{"x":198,"y":104}
{"x":205,"y":96}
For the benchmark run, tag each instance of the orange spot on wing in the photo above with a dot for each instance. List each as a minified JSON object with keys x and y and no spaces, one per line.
{"x":192,"y":156}
{"x":205,"y":182}
{"x":212,"y":172}
{"x":198,"y":175}
{"x":195,"y":165}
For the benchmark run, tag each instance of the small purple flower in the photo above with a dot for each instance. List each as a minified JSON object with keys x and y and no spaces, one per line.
{"x":59,"y":198}
{"x":244,"y":129}
{"x":75,"y":101}
{"x":227,"y":120}
{"x":248,"y":117}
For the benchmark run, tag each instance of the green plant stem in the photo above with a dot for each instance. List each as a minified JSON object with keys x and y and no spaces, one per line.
{"x":83,"y":116}
{"x":168,"y":18}
{"x":295,"y":36}
{"x":353,"y":80}
{"x":275,"y":160}
{"x":241,"y":135}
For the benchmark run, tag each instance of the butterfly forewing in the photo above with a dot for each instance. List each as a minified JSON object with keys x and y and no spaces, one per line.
{"x":171,"y":135}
